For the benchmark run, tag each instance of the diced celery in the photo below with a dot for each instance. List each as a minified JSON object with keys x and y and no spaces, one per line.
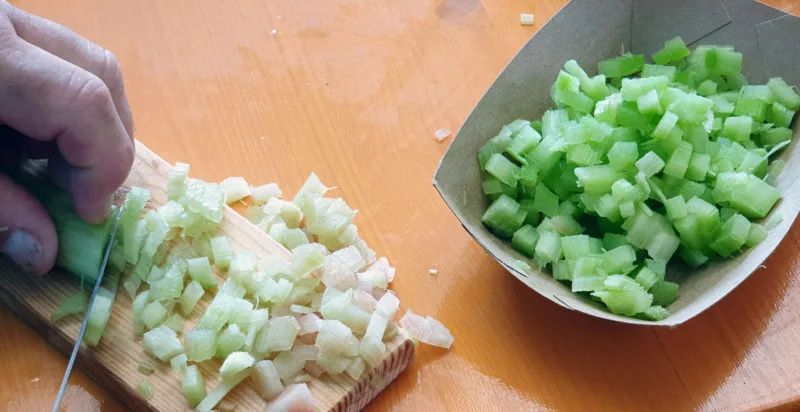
{"x":200,"y":271}
{"x":624,"y":296}
{"x":613,"y":241}
{"x":738,"y":128}
{"x":576,"y":100}
{"x":235,"y":188}
{"x":723,"y":61}
{"x":548,"y":248}
{"x":191,"y":295}
{"x":783,"y":93}
{"x":633,"y":88}
{"x":756,"y":235}
{"x":230,"y":340}
{"x":664,"y":292}
{"x":748,"y":194}
{"x":665,"y":125}
{"x":524,"y":240}
{"x":776,"y":136}
{"x":177,"y":180}
{"x":193,"y":385}
{"x":647,"y":278}
{"x":222,"y":252}
{"x":579,"y":246}
{"x":163,"y":343}
{"x":200,"y":344}
{"x":650,"y":164}
{"x":619,"y":260}
{"x":566,"y":225}
{"x":707,"y":88}
{"x":654,"y":313}
{"x":732,"y":236}
{"x":692,"y":108}
{"x":154,"y":314}
{"x":621,"y":66}
{"x":674,"y":50}
{"x":597,"y":179}
{"x":652,"y":70}
{"x":649,"y":103}
{"x":780,"y":115}
{"x":676,"y":208}
{"x":524,"y":141}
{"x":503,"y":169}
{"x":753,"y":102}
{"x":699,"y":164}
{"x":546,"y":201}
{"x":178,"y":363}
{"x":678,"y":162}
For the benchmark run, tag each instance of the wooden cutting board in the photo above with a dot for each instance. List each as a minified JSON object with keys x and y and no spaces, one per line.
{"x":115,"y":361}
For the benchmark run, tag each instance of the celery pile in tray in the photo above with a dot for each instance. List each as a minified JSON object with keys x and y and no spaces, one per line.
{"x":325,"y":310}
{"x":638,"y":165}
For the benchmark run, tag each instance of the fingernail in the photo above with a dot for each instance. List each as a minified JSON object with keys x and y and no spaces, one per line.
{"x":23,"y":249}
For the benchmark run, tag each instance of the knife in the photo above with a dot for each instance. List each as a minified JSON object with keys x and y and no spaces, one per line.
{"x":79,"y":340}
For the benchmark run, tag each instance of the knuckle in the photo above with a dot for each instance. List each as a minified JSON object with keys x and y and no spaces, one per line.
{"x":110,"y":69}
{"x":93,"y":95}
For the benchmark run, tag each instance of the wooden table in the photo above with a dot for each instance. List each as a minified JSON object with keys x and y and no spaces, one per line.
{"x":353,"y":90}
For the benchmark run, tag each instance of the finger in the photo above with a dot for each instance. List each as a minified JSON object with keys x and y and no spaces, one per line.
{"x":28,"y":237}
{"x":68,"y":45}
{"x":74,"y":108}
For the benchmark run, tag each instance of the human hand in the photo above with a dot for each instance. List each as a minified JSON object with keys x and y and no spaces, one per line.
{"x":61,"y":98}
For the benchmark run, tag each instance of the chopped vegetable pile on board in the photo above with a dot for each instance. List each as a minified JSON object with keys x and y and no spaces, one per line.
{"x":638,"y":165}
{"x":326,"y":310}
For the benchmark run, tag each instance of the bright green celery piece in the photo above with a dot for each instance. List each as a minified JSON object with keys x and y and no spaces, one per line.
{"x":723,"y":61}
{"x":587,"y":275}
{"x":650,"y":164}
{"x":633,"y":88}
{"x":676,"y":208}
{"x":524,"y":240}
{"x":562,"y":270}
{"x":707,"y":88}
{"x":580,"y":245}
{"x":664,"y":292}
{"x":746,"y":193}
{"x":230,"y":340}
{"x":623,"y":296}
{"x":738,"y":128}
{"x":665,"y":125}
{"x":517,"y":125}
{"x":780,"y":115}
{"x":653,"y":70}
{"x":628,"y":115}
{"x":721,"y":104}
{"x":627,"y":208}
{"x":504,"y":216}
{"x":548,"y":248}
{"x":753,"y":102}
{"x":546,"y":154}
{"x":584,"y":155}
{"x":99,"y":315}
{"x":74,"y":304}
{"x":623,"y":155}
{"x":169,"y":287}
{"x":531,"y":213}
{"x":613,"y":241}
{"x":654,"y":313}
{"x":756,"y":235}
{"x":503,"y":169}
{"x":678,"y":162}
{"x":497,"y":144}
{"x":566,"y":81}
{"x":576,"y":100}
{"x":493,"y":188}
{"x":221,"y":249}
{"x":753,"y":163}
{"x":783,"y":93}
{"x":553,"y":122}
{"x":597,"y":179}
{"x":619,"y":260}
{"x":566,"y":225}
{"x":707,"y":215}
{"x":546,"y":201}
{"x":176,"y":186}
{"x":623,"y":191}
{"x":691,"y":108}
{"x":732,"y":236}
{"x":524,"y":141}
{"x":154,"y":314}
{"x":608,"y":208}
{"x":699,"y":164}
{"x":649,"y":103}
{"x":624,"y":65}
{"x":658,"y":266}
{"x":200,"y":344}
{"x":775,"y":136}
{"x":674,"y":50}
{"x":647,"y":278}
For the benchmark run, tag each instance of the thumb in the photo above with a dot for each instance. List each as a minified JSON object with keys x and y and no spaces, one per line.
{"x":28,"y":236}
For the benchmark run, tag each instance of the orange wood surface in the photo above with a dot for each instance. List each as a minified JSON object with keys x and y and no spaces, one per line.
{"x":353,"y":90}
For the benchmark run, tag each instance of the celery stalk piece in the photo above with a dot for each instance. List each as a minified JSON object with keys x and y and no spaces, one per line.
{"x":281,"y":333}
{"x":776,"y":136}
{"x":235,"y":188}
{"x":624,"y":296}
{"x":732,"y":236}
{"x":154,"y":314}
{"x":230,"y":340}
{"x":131,"y":210}
{"x":145,"y":369}
{"x":654,"y":313}
{"x":193,"y":385}
{"x":190,"y":296}
{"x":178,"y":363}
{"x":634,"y":88}
{"x":674,"y":49}
{"x":621,"y":66}
{"x":784,"y":94}
{"x":144,"y":390}
{"x":503,"y":169}
{"x":176,"y":185}
{"x":665,"y":125}
{"x":201,"y":344}
{"x":169,"y":287}
{"x":218,"y":393}
{"x":266,"y":381}
{"x":74,"y":304}
{"x":524,"y":240}
{"x":664,"y":292}
{"x":174,"y":322}
{"x":738,"y":128}
{"x":652,"y":70}
{"x":723,"y":61}
{"x":163,"y":343}
{"x":678,"y":162}
{"x":99,"y":315}
{"x":502,"y":216}
{"x":235,"y":364}
{"x":262,"y":194}
{"x":223,"y":254}
{"x":647,"y":278}
{"x":756,"y":235}
{"x":548,"y":248}
{"x":200,"y":271}
{"x":218,"y":313}
{"x":650,"y":164}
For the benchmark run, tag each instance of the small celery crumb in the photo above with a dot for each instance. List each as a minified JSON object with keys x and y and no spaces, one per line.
{"x":433,"y":272}
{"x":526,"y":19}
{"x":524,"y":266}
{"x":442,"y":134}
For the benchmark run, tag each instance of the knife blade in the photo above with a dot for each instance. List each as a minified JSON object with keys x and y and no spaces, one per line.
{"x":79,"y":340}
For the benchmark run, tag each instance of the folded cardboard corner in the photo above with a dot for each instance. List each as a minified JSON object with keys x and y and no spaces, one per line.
{"x":588,"y":31}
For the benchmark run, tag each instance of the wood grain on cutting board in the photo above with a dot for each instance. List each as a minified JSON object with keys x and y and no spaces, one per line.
{"x":353,"y":90}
